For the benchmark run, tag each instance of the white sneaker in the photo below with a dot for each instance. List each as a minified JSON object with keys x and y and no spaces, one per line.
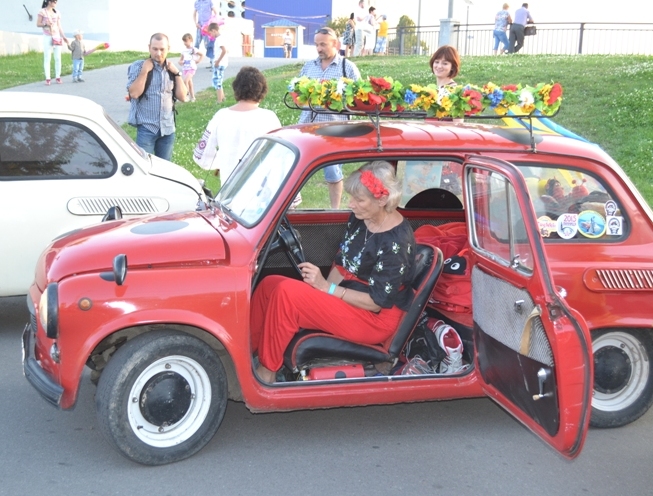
{"x":450,"y":342}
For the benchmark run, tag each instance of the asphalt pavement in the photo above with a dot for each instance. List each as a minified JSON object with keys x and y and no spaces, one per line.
{"x":107,"y":86}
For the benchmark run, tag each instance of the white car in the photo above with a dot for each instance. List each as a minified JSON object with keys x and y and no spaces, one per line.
{"x":63,"y":163}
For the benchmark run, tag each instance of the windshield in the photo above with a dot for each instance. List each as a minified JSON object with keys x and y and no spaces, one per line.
{"x":252,"y":187}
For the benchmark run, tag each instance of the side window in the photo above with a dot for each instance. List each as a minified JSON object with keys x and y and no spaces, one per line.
{"x":499,"y":228}
{"x":573,"y":205}
{"x":33,"y":149}
{"x":424,"y":176}
{"x":315,"y":192}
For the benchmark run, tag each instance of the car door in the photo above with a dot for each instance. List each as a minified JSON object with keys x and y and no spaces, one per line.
{"x":532,"y":351}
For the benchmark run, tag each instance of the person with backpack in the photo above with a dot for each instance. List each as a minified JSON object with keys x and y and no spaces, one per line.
{"x":329,"y":64}
{"x":154,"y":85}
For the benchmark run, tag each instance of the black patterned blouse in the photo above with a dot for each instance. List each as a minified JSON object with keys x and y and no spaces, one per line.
{"x":383,"y":262}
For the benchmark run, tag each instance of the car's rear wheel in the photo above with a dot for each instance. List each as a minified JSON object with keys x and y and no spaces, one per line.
{"x":161,"y":397}
{"x":623,"y":376}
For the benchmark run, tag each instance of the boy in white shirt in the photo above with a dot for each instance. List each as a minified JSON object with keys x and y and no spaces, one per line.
{"x":221,"y":60}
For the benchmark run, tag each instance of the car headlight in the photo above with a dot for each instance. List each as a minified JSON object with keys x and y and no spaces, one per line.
{"x":49,"y":310}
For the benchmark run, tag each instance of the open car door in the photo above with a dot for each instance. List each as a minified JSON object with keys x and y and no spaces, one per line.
{"x":533,"y":352}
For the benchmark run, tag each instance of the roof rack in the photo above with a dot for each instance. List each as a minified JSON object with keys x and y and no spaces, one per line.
{"x":376,"y":112}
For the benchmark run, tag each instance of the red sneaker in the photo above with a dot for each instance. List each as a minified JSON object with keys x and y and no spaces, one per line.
{"x":47,"y":82}
{"x":59,"y":81}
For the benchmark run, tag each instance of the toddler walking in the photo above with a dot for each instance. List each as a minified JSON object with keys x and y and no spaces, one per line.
{"x":79,"y":52}
{"x":190,"y":57}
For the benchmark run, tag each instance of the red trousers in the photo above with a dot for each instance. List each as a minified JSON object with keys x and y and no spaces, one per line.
{"x":281,"y":306}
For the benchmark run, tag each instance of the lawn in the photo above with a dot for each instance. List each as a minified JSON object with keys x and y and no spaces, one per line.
{"x":608,"y":99}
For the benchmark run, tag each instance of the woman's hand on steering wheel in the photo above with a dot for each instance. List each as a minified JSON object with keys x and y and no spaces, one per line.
{"x":312,"y":276}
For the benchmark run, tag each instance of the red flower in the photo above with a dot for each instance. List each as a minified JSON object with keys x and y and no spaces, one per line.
{"x":379,"y":84}
{"x":509,"y":87}
{"x":473,"y":98}
{"x":554,"y":94}
{"x":375,"y":99}
{"x":373,"y":184}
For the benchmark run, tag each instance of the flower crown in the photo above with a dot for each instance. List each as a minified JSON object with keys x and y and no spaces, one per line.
{"x":447,"y":101}
{"x":374,"y":184}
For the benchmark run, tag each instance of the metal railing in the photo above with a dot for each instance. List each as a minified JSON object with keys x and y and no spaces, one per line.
{"x":551,"y":38}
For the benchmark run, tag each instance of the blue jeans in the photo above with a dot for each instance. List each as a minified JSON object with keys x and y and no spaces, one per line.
{"x":208,"y":44}
{"x":78,"y":67}
{"x":500,"y":36}
{"x":161,"y":146}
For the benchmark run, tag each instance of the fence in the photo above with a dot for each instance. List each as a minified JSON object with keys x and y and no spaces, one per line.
{"x":558,"y":38}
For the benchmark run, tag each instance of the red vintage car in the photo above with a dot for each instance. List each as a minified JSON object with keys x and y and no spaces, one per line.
{"x":559,"y":328}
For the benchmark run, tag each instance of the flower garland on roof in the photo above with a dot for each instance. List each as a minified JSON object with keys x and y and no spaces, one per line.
{"x":447,"y":101}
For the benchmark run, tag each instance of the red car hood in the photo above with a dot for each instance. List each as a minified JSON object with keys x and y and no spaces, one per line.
{"x":175,"y":239}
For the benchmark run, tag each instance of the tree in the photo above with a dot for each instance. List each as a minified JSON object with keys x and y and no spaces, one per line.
{"x":407,"y":31}
{"x":338,"y":24}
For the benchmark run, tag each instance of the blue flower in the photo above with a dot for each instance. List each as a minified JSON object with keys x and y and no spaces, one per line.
{"x":495,"y":97}
{"x":409,"y":97}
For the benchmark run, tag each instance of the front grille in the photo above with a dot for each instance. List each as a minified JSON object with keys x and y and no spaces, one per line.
{"x":128,"y":205}
{"x":625,"y":279}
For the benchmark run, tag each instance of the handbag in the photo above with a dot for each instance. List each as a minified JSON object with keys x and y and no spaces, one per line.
{"x":56,"y":41}
{"x":530,"y":30}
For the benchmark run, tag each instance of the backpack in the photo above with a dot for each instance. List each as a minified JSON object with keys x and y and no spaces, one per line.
{"x":148,"y":81}
{"x":453,"y":290}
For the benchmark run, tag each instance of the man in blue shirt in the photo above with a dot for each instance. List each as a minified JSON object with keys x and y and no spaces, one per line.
{"x":522,"y":17}
{"x":329,"y":64}
{"x":152,"y":109}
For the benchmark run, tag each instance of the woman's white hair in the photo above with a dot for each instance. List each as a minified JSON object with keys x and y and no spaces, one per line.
{"x":384,"y":172}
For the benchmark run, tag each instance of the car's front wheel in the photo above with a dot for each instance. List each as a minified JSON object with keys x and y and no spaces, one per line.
{"x":161,"y":397}
{"x":623,"y":376}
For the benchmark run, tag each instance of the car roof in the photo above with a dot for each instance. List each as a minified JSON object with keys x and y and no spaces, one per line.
{"x":24,"y":103}
{"x":430,"y":136}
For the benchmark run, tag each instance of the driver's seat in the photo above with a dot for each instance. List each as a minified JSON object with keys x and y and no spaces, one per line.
{"x":309,"y":344}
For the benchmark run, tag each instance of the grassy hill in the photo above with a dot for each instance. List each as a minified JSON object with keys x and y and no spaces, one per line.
{"x":607,"y":99}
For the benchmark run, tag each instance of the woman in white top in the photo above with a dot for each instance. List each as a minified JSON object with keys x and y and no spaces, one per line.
{"x":232,"y":129}
{"x":53,"y":38}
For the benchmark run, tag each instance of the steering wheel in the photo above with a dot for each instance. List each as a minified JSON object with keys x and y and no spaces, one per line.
{"x":289,"y":240}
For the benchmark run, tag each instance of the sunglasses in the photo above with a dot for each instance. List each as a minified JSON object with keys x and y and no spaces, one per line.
{"x":328,"y":31}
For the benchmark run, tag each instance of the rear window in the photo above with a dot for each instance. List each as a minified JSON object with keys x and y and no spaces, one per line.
{"x":36,"y":149}
{"x":573,"y":205}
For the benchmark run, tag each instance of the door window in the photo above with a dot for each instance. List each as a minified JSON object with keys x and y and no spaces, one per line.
{"x":33,"y":149}
{"x":499,"y":228}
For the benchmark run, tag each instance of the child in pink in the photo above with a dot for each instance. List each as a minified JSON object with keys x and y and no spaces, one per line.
{"x":190,"y":57}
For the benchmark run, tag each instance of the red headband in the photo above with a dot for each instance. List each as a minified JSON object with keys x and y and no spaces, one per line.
{"x":374,"y":184}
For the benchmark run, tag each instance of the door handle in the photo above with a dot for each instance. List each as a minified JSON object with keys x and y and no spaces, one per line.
{"x":542,"y":376}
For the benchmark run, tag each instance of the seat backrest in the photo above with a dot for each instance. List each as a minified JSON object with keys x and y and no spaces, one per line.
{"x":434,"y":198}
{"x":428,"y":267}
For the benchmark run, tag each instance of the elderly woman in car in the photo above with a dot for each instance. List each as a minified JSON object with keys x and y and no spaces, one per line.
{"x":367,"y":290}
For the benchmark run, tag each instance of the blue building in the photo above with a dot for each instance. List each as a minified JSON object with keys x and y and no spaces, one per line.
{"x":309,"y":14}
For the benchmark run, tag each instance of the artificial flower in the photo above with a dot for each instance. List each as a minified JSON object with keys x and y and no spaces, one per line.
{"x":386,"y":94}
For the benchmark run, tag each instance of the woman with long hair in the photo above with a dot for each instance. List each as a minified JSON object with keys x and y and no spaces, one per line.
{"x":49,"y":19}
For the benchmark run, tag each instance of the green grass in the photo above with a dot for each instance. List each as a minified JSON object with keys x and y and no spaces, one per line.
{"x":16,"y":70}
{"x":608,"y":99}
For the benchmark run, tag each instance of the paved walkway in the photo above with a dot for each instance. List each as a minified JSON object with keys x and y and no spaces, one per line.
{"x":107,"y":86}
